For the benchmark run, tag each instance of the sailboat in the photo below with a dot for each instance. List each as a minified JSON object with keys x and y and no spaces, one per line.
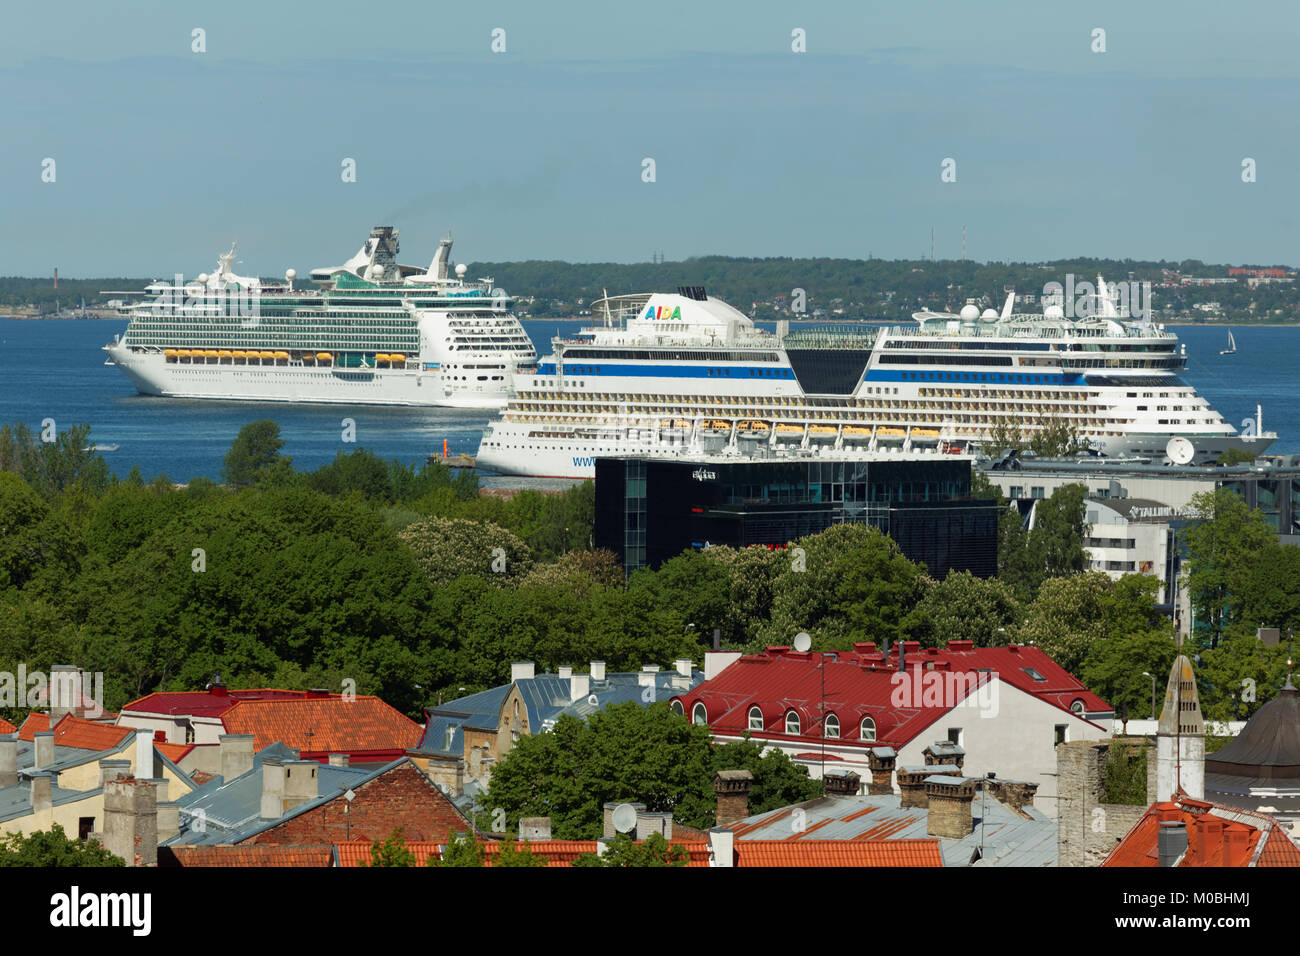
{"x":1232,"y":345}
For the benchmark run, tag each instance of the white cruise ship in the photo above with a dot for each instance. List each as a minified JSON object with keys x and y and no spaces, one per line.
{"x":685,"y":372}
{"x":369,"y":332}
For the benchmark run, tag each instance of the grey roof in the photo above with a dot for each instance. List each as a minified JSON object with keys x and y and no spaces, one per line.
{"x":546,"y":697}
{"x":1008,"y":837}
{"x":946,"y":780}
{"x":884,"y":751}
{"x":16,"y":801}
{"x":231,"y":811}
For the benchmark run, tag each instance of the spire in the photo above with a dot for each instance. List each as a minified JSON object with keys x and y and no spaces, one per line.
{"x":1180,"y":740}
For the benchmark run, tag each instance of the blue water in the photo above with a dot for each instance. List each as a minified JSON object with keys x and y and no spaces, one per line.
{"x":54,"y":369}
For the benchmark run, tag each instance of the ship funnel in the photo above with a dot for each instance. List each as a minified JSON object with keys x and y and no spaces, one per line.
{"x":438,"y":268}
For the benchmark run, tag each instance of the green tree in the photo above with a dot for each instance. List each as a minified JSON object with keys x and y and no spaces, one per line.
{"x":1054,"y":547}
{"x":517,"y":854}
{"x":778,"y":780}
{"x":1068,"y":617}
{"x":1113,"y":666}
{"x":963,"y":607}
{"x":462,"y":849}
{"x":52,"y":847}
{"x":255,"y":449}
{"x":1223,"y":548}
{"x":447,"y":548}
{"x":623,"y":851}
{"x":393,"y":851}
{"x":360,"y":471}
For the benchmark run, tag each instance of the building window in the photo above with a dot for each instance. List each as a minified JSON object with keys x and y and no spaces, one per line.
{"x":676,"y":708}
{"x":832,"y":725}
{"x":868,"y":729}
{"x":755,"y":719}
{"x":954,"y":735}
{"x":792,"y":723}
{"x":1061,"y":733}
{"x":85,"y":827}
{"x":699,"y":715}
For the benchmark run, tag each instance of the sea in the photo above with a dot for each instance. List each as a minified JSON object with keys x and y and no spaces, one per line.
{"x":54,"y":369}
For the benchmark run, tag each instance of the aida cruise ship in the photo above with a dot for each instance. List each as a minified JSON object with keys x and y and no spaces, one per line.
{"x":688,"y":373}
{"x":369,"y":332}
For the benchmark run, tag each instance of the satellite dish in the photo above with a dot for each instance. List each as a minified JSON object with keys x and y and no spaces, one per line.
{"x":291,"y":274}
{"x":625,"y":818}
{"x":461,"y":269}
{"x":802,"y":641}
{"x":1180,"y":450}
{"x":592,"y":700}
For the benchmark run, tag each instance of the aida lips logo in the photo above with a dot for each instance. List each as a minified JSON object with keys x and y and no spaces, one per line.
{"x":657,"y":313}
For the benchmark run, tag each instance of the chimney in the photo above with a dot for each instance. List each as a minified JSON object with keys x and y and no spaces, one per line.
{"x":911,"y":785}
{"x":1236,"y":846}
{"x":950,"y":806}
{"x":841,"y":783}
{"x":338,"y":760}
{"x":715,"y":662}
{"x":944,"y":752}
{"x":66,"y":692}
{"x":645,"y":678}
{"x":131,"y":821}
{"x":684,"y":666}
{"x":272,"y":788}
{"x":218,"y":689}
{"x":597,"y":670}
{"x":169,"y":821}
{"x":43,"y":792}
{"x":881,"y":761}
{"x":521,"y":670}
{"x":608,"y":808}
{"x":236,"y":755}
{"x":113,"y":770}
{"x":732,"y":788}
{"x":1171,"y":842}
{"x":579,"y":686}
{"x":722,"y":847}
{"x":1015,"y":794}
{"x":648,"y":823}
{"x":144,"y":756}
{"x":318,"y":693}
{"x":8,"y":761}
{"x":44,"y":745}
{"x":534,"y":828}
{"x":564,"y":671}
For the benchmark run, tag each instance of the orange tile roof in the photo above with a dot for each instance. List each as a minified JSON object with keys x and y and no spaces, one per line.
{"x":1210,"y":831}
{"x":6,"y":727}
{"x":225,"y":855}
{"x":173,"y":752}
{"x":324,"y":725}
{"x":33,"y":725}
{"x":919,"y":852}
{"x":75,"y":732}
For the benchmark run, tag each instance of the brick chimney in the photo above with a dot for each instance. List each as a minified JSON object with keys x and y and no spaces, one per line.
{"x":534,"y":828}
{"x":44,"y":749}
{"x":1236,"y":845}
{"x":113,"y":770}
{"x":338,"y":760}
{"x":911,"y":785}
{"x":597,"y":670}
{"x":43,"y":785}
{"x":841,"y":783}
{"x":236,"y":755}
{"x":648,"y":823}
{"x":944,"y":752}
{"x":881,"y":761}
{"x":732,"y":788}
{"x":218,"y":689}
{"x":1015,"y":794}
{"x":950,"y":800}
{"x":521,"y":670}
{"x":131,"y":821}
{"x":8,"y":760}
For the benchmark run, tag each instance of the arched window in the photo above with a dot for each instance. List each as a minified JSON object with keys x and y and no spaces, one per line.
{"x":868,"y":729}
{"x":699,"y":715}
{"x":791,"y":722}
{"x":755,"y":718}
{"x":676,"y":708}
{"x":832,"y":725}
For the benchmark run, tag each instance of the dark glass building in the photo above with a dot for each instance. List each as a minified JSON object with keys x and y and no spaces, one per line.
{"x":651,"y":509}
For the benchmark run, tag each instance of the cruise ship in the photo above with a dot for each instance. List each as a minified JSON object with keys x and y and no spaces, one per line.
{"x":687,"y":373}
{"x":368,"y":332}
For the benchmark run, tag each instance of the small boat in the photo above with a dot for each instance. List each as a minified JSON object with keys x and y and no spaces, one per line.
{"x":1232,"y":345}
{"x":856,"y":433}
{"x":112,"y":447}
{"x":887,"y":431}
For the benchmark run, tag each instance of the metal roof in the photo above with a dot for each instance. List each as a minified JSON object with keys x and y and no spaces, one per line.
{"x":1008,"y":838}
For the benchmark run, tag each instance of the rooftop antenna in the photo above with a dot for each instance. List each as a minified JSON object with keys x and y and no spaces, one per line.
{"x":932,"y":243}
{"x":963,"y":244}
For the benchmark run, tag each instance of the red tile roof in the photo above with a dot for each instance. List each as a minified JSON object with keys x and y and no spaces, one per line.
{"x":862,"y":683}
{"x":75,"y":732}
{"x":33,"y":725}
{"x":557,"y":852}
{"x":919,"y":852}
{"x":317,"y":727}
{"x":173,"y":752}
{"x":1216,"y":836}
{"x":245,"y":856}
{"x":205,"y":703}
{"x":6,"y":727}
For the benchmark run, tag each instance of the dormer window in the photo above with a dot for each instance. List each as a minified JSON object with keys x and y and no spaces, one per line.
{"x":755,"y":718}
{"x":792,"y":723}
{"x":868,"y":729}
{"x":699,"y":715}
{"x":832,"y":725}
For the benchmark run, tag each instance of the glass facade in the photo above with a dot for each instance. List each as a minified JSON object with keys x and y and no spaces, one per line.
{"x":650,"y":510}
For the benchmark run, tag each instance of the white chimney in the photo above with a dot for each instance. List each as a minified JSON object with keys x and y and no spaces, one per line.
{"x":565,"y":671}
{"x":684,"y":666}
{"x":521,"y":670}
{"x":722,"y":844}
{"x":597,"y":670}
{"x":44,"y":746}
{"x":715,"y":662}
{"x":645,"y":679}
{"x":579,"y":687}
{"x":143,"y":754}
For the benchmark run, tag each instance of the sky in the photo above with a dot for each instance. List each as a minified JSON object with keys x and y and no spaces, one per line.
{"x":164,"y":153}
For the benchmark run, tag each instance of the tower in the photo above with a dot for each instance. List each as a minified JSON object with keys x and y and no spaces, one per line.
{"x":1180,"y":740}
